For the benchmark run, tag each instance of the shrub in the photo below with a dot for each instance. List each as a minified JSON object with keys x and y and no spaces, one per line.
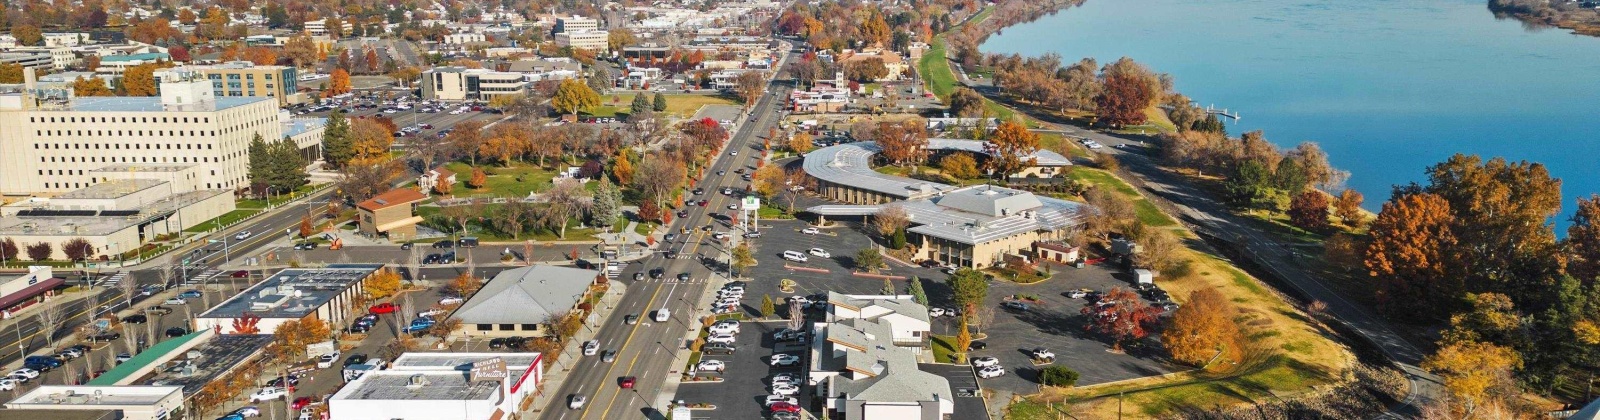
{"x":1058,"y":376}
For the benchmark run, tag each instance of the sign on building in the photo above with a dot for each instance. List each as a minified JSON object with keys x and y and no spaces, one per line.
{"x":489,"y":370}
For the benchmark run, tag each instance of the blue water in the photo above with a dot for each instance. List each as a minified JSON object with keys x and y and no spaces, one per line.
{"x":1387,"y":87}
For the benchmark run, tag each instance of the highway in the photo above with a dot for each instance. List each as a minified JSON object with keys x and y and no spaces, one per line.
{"x":647,"y":350}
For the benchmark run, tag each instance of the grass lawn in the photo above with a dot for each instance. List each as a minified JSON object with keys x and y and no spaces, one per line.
{"x":487,"y":234}
{"x":1147,"y":211}
{"x":944,"y":348}
{"x":503,"y":181}
{"x":223,"y":220}
{"x":1157,"y":122}
{"x":1056,"y":142}
{"x":251,"y":203}
{"x":678,"y":105}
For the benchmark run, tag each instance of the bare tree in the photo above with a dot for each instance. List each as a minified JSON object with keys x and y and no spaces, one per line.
{"x":982,"y":316}
{"x":796,"y":316}
{"x":129,"y":286}
{"x":50,"y":319}
{"x":414,"y":263}
{"x":130,"y":336}
{"x":70,"y":374}
{"x":891,"y":218}
{"x":568,"y":199}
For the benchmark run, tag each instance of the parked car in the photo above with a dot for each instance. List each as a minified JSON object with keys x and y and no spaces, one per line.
{"x":820,"y":252}
{"x":723,"y":329}
{"x":780,"y":399}
{"x":712,"y":365}
{"x":785,"y":360}
{"x":46,"y":361}
{"x":991,"y":372}
{"x":984,"y":361}
{"x":811,"y":231}
{"x":105,"y":336}
{"x":355,"y":359}
{"x":135,"y":319}
{"x":418,"y":325}
{"x":177,"y":332}
{"x":451,"y":300}
{"x":175,"y":301}
{"x":123,"y":357}
{"x":1014,"y":305}
{"x":795,"y":256}
{"x":158,"y":310}
{"x":300,"y":403}
{"x":1042,"y":353}
{"x":268,"y":394}
{"x":785,"y":407}
{"x":382,"y":308}
{"x":250,"y":411}
{"x":190,"y":294}
{"x":728,"y":339}
{"x":718,"y":349}
{"x":240,"y":274}
{"x":785,"y":389}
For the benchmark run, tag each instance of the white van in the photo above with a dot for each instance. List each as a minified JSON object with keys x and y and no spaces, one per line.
{"x":662,"y":315}
{"x":794,"y":256}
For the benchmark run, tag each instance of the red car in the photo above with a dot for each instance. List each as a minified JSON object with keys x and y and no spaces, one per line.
{"x":302,"y":402}
{"x":627,"y":382}
{"x":784,"y":407}
{"x":382,"y":308}
{"x":241,"y":274}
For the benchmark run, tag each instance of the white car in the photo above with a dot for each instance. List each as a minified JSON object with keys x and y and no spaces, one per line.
{"x":982,"y":362}
{"x":811,"y":231}
{"x":724,"y":329}
{"x":991,"y":372}
{"x":721,"y":235}
{"x":591,"y":347}
{"x":430,"y":313}
{"x":785,"y":360}
{"x":733,"y":153}
{"x":783,"y":380}
{"x":26,"y":373}
{"x":326,"y":360}
{"x":713,"y":365}
{"x":733,"y":288}
{"x":1043,"y":354}
{"x":241,"y":235}
{"x":728,"y":339}
{"x":250,"y":411}
{"x":7,"y":384}
{"x":935,"y":312}
{"x":785,"y":390}
{"x":774,"y":399}
{"x":268,"y":394}
{"x":452,"y":300}
{"x":574,"y":401}
{"x":820,"y":252}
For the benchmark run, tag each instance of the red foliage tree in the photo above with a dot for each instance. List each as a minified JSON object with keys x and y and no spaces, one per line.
{"x":1309,"y":210}
{"x":246,"y":324}
{"x":1121,"y":315}
{"x":649,"y":211}
{"x":1123,"y":101}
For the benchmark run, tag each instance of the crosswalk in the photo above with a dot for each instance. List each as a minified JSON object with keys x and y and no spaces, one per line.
{"x":202,"y":277}
{"x":111,"y":280}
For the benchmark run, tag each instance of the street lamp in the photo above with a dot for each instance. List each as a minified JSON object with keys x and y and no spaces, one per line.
{"x":225,"y":253}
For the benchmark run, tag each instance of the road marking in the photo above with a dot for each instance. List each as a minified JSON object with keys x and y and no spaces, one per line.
{"x":625,"y":343}
{"x":37,"y":330}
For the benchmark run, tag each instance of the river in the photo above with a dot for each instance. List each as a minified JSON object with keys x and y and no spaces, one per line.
{"x":1387,"y":87}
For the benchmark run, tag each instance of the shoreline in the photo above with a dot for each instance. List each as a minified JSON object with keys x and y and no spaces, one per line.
{"x":1555,"y":19}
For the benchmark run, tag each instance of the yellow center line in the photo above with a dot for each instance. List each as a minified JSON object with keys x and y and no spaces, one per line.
{"x":606,"y":413}
{"x":625,"y":343}
{"x":13,"y":344}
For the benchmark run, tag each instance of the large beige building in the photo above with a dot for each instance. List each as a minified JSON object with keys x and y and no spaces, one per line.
{"x":589,"y":40}
{"x":116,"y":215}
{"x":463,"y":84}
{"x":245,"y":79}
{"x":52,"y":143}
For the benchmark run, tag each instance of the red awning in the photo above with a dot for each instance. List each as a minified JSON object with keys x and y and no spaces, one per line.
{"x":29,"y":292}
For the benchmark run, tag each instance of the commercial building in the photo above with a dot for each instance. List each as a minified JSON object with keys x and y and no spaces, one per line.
{"x":844,"y":172}
{"x":891,"y":61}
{"x":117,"y":64}
{"x":819,"y":99}
{"x":442,"y":386}
{"x":127,"y":402}
{"x":588,"y":40}
{"x":576,"y":23}
{"x":907,"y":320}
{"x":392,"y":214}
{"x":522,"y":301}
{"x":859,"y":375}
{"x":18,"y":292}
{"x":245,"y":79}
{"x":126,"y":207}
{"x":61,"y":57}
{"x":320,"y":27}
{"x":54,"y":142}
{"x":464,"y":84}
{"x":294,"y":294}
{"x":464,"y":38}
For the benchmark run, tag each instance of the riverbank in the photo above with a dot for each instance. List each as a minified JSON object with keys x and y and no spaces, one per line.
{"x":1579,"y":20}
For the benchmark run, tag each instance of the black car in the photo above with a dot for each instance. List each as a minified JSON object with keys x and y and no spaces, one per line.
{"x":105,"y":336}
{"x":517,"y":343}
{"x":176,"y":332}
{"x":39,"y":367}
{"x":431,"y":259}
{"x":671,"y":255}
{"x":360,"y":328}
{"x":278,"y":381}
{"x":135,"y":319}
{"x":442,"y":244}
{"x":977,"y":345}
{"x":683,"y":276}
{"x":656,"y":273}
{"x":497,"y":343}
{"x":355,"y":359}
{"x":406,"y":246}
{"x":698,"y":191}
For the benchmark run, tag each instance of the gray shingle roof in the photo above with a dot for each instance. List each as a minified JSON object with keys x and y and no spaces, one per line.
{"x":526,"y":295}
{"x":892,"y":374}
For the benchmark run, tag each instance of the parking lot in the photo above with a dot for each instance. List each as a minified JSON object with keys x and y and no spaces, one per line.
{"x":746,"y":380}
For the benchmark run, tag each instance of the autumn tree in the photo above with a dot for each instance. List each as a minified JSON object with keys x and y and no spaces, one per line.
{"x":464,"y":284}
{"x":90,"y":86}
{"x":768,"y":180}
{"x":77,"y":249}
{"x":800,"y":143}
{"x":27,"y":35}
{"x":300,"y":49}
{"x":140,"y":80}
{"x":890,"y":218}
{"x":1583,"y":239}
{"x":512,"y":218}
{"x":1411,"y":239}
{"x":338,"y":83}
{"x":1347,"y":207}
{"x":1122,"y":315}
{"x":750,"y":84}
{"x":261,"y":56}
{"x":11,"y":73}
{"x":370,"y":141}
{"x":743,"y":259}
{"x":866,"y":70}
{"x":466,"y":139}
{"x":478,"y":179}
{"x":1475,"y":373}
{"x":1125,"y":94}
{"x":382,"y":284}
{"x":1309,"y":210}
{"x":306,"y":228}
{"x":1503,"y":214}
{"x":8,"y":250}
{"x":574,"y":96}
{"x":1202,"y":328}
{"x":903,"y":143}
{"x":40,"y":251}
{"x":960,"y":165}
{"x":622,"y":168}
{"x":620,"y":37}
{"x":966,"y":103}
{"x":1010,"y":149}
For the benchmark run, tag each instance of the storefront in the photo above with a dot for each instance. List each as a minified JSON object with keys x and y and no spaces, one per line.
{"x":20,"y":291}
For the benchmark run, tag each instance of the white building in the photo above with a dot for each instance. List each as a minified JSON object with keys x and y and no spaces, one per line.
{"x":463,"y":38}
{"x":53,"y":143}
{"x":128,"y":207}
{"x":576,"y":23}
{"x":859,"y":375}
{"x":908,"y":320}
{"x":130,"y":402}
{"x":463,"y":84}
{"x":442,"y":386}
{"x":329,"y":293}
{"x":320,"y":27}
{"x":589,"y":40}
{"x":64,"y":39}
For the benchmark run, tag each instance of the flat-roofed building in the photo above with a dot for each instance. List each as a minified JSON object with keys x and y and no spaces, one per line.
{"x":442,"y":386}
{"x":17,"y":292}
{"x":589,"y":40}
{"x":329,"y":294}
{"x":576,"y":23}
{"x":119,"y":213}
{"x":463,"y":84}
{"x":117,"y":64}
{"x":130,"y":402}
{"x":245,"y":79}
{"x":320,"y":27}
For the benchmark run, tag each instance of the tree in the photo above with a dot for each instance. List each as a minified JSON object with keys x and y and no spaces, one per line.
{"x":1010,"y":149}
{"x":888,"y":287}
{"x":337,"y":149}
{"x":1158,"y":249}
{"x":968,"y":288}
{"x":767,"y":307}
{"x":620,"y":37}
{"x":260,"y":161}
{"x":405,"y":76}
{"x":464,"y":284}
{"x":869,"y":259}
{"x":966,"y":103}
{"x":574,"y":96}
{"x":800,"y":143}
{"x":1343,"y":250}
{"x":261,"y":56}
{"x":512,"y":217}
{"x":140,"y":80}
{"x":1503,"y":213}
{"x":960,"y":165}
{"x":300,"y":49}
{"x":657,"y":178}
{"x":40,"y":251}
{"x":1056,"y":375}
{"x":178,"y":53}
{"x":8,"y":250}
{"x":338,"y":83}
{"x":897,"y":240}
{"x":914,"y":288}
{"x":567,"y":324}
{"x":1202,"y":328}
{"x":649,"y":211}
{"x":567,"y":199}
{"x":466,"y":139}
{"x":1583,"y":239}
{"x":382,"y":284}
{"x":77,"y":249}
{"x":1475,"y":373}
{"x":902,"y":143}
{"x":1120,"y":314}
{"x":866,"y":70}
{"x":1407,"y":254}
{"x":750,"y":84}
{"x":640,"y":106}
{"x":659,"y":104}
{"x":370,"y":142}
{"x":1249,"y":185}
{"x":90,"y":86}
{"x":1347,"y":207}
{"x":743,"y":258}
{"x":963,"y":340}
{"x":768,"y":180}
{"x":27,"y":35}
{"x":1123,"y":100}
{"x":1309,"y":210}
{"x":11,"y":73}
{"x":622,"y":169}
{"x":478,"y":179}
{"x":306,"y":228}
{"x":607,"y":203}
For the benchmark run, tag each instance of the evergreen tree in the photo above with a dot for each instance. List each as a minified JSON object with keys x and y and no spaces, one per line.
{"x":288,"y":166}
{"x":260,"y":170}
{"x":607,"y":203}
{"x":888,"y":286}
{"x":640,"y":106}
{"x":915,"y":290}
{"x":898,"y":240}
{"x":660,"y":102}
{"x":337,"y":148}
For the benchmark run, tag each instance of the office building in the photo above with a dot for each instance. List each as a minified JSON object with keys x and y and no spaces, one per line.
{"x":576,"y":23}
{"x":245,"y":79}
{"x":455,"y":84}
{"x":522,"y":301}
{"x":127,"y":207}
{"x":54,"y":142}
{"x":117,"y":64}
{"x":588,"y":40}
{"x":320,"y":27}
{"x":295,"y":294}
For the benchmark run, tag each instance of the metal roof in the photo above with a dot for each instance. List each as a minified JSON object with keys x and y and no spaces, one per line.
{"x":851,"y":164}
{"x":526,"y":295}
{"x":293,"y":292}
{"x":1045,"y":157}
{"x":975,"y":214}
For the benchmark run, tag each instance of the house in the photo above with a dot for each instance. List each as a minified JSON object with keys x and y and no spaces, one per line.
{"x":392,"y":214}
{"x":907,"y":320}
{"x":524,"y":301}
{"x":1057,"y":251}
{"x":428,"y":181}
{"x":859,"y":375}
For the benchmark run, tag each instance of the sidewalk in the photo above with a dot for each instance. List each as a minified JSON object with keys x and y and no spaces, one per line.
{"x":555,"y":375}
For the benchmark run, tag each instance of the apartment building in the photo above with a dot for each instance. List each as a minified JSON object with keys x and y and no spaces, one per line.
{"x":53,"y":143}
{"x":576,"y":23}
{"x":589,"y":40}
{"x":464,"y":84}
{"x":320,"y":27}
{"x":245,"y":79}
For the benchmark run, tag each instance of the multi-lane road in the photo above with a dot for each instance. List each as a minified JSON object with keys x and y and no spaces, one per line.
{"x":647,"y":350}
